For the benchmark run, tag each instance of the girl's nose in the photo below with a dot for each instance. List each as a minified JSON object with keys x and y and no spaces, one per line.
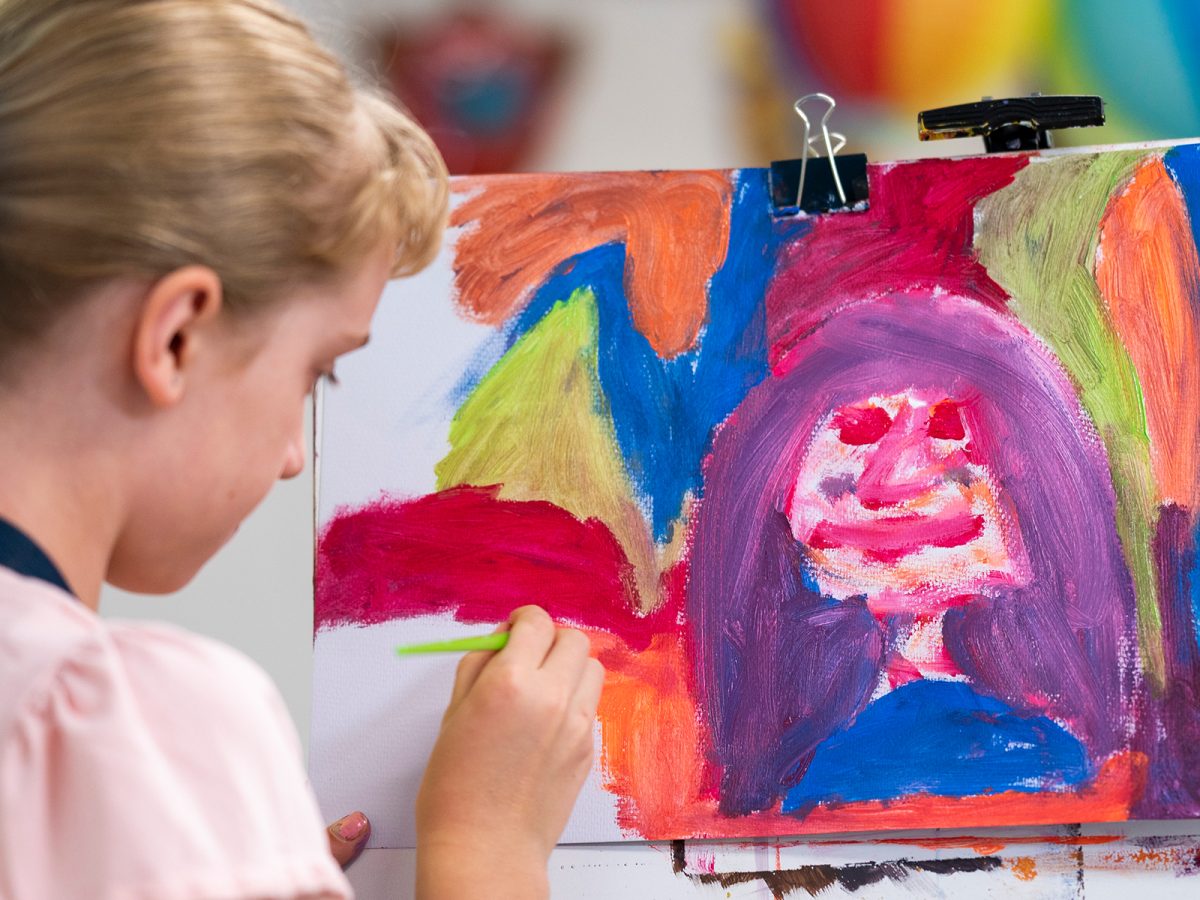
{"x":293,"y":461}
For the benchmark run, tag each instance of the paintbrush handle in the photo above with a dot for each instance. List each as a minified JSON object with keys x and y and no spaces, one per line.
{"x":459,"y":645}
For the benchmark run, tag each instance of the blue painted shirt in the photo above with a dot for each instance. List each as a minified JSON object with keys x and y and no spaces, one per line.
{"x":943,"y":738}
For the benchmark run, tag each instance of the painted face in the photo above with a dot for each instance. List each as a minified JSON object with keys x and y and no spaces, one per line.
{"x":891,"y":502}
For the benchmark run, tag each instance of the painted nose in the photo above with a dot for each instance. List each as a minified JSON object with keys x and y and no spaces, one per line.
{"x":898,"y":468}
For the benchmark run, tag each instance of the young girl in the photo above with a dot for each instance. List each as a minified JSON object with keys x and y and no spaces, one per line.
{"x":197,"y":216}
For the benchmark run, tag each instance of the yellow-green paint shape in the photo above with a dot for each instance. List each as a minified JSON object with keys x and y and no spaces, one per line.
{"x":538,"y":425}
{"x":1037,"y":237}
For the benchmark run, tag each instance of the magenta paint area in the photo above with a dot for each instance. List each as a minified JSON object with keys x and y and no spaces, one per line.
{"x":917,"y":234}
{"x":792,"y":668}
{"x":466,"y":552}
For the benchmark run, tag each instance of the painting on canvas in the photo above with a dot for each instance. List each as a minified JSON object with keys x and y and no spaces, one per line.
{"x":877,"y":520}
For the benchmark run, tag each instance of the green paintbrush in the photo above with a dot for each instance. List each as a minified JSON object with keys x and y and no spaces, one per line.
{"x":459,"y":645}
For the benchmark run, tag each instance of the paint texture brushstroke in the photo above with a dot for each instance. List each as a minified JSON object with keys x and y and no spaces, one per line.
{"x":1183,"y":164}
{"x":1038,"y":239}
{"x":952,"y":725}
{"x":916,"y":235}
{"x":1149,"y":276}
{"x":538,"y":426}
{"x":509,"y":246}
{"x":1171,"y":730}
{"x":469,"y":552}
{"x":815,"y":880}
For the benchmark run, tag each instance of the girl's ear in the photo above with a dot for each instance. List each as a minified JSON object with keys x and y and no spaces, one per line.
{"x":170,"y":331}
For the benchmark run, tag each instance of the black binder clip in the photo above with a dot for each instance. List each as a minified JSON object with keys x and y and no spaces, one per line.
{"x":1019,"y":123}
{"x":816,"y":184}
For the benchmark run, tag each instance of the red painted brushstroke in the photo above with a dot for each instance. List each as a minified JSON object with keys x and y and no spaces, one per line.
{"x":900,"y":670}
{"x":945,"y":423}
{"x":892,"y":538}
{"x":917,"y":234}
{"x":467,"y":552}
{"x":861,"y":425}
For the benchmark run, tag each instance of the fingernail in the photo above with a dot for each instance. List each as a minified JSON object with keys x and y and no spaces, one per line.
{"x":351,"y":827}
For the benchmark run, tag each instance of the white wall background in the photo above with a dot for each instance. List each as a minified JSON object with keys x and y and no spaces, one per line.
{"x":647,"y":90}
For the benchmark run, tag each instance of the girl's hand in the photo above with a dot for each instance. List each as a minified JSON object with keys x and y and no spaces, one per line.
{"x":515,"y":747}
{"x":347,"y":837}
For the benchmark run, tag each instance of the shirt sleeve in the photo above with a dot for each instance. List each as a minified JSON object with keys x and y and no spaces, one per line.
{"x":152,"y":763}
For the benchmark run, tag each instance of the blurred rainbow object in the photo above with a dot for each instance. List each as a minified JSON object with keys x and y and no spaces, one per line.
{"x":893,"y":58}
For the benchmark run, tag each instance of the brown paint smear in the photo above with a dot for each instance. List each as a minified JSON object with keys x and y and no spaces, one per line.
{"x":519,"y":228}
{"x":813,"y":880}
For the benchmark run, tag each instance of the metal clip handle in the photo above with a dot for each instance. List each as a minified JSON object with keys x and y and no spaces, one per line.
{"x":827,"y":136}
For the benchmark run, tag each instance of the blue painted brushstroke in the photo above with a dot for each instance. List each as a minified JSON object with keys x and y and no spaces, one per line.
{"x":939,"y":737}
{"x":1192,"y":582}
{"x":601,"y":269}
{"x":664,"y":411}
{"x":1183,"y":164}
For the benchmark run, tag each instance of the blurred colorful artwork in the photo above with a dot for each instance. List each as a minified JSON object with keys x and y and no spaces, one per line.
{"x":877,"y":520}
{"x":482,"y":84}
{"x":886,"y":60}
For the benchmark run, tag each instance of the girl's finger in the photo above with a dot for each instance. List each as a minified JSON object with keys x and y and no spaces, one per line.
{"x":469,"y":668}
{"x":531,"y":635}
{"x":565,"y":661}
{"x":591,"y":686}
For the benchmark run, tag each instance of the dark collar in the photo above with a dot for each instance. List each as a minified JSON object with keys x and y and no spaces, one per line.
{"x":19,"y":553}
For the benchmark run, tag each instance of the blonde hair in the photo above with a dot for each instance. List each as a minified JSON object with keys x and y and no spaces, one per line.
{"x":138,"y":136}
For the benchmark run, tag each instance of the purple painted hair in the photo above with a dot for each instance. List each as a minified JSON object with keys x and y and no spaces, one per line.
{"x":780,"y":667}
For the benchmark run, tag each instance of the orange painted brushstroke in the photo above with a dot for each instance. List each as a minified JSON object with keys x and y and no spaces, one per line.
{"x":1149,"y":274}
{"x":1181,"y":859}
{"x":650,"y":733}
{"x":519,"y":228}
{"x":1025,"y":868}
{"x":984,"y":846}
{"x":988,"y":846}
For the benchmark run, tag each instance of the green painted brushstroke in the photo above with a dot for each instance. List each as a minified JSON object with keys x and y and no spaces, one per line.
{"x":1037,"y":237}
{"x":538,"y":425}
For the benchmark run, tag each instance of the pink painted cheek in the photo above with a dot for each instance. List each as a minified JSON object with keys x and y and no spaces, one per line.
{"x":825,"y":481}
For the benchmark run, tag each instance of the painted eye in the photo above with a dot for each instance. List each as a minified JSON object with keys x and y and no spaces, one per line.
{"x":945,"y":422}
{"x":859,"y":425}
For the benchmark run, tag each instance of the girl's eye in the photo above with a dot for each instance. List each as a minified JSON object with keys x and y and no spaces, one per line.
{"x":861,"y":425}
{"x":945,"y":422}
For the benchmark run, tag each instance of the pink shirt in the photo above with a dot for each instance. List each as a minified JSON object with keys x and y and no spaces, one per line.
{"x":141,"y":761}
